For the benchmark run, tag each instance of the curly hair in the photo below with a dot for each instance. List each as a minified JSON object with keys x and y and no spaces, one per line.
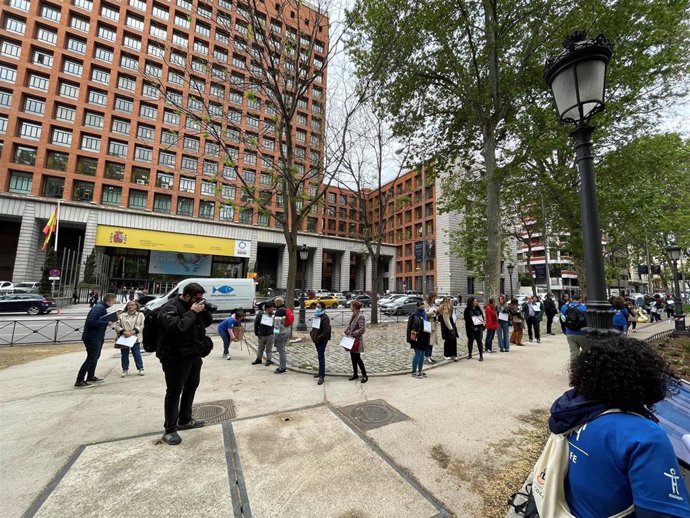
{"x":623,"y":373}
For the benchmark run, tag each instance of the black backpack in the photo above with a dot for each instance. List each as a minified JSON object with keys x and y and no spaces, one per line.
{"x":574,"y":318}
{"x":152,"y":331}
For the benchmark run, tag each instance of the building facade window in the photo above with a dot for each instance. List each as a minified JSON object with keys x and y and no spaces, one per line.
{"x":111,"y":195}
{"x":56,"y":161}
{"x":87,"y":166}
{"x":82,"y":191}
{"x":20,"y":183}
{"x":137,"y":199}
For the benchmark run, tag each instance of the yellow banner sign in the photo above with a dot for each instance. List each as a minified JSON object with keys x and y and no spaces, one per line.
{"x":122,"y":237}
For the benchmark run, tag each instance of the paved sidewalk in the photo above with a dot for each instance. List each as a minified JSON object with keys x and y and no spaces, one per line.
{"x":94,"y":453}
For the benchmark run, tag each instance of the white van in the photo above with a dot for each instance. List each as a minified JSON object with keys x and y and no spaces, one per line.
{"x":227,"y":294}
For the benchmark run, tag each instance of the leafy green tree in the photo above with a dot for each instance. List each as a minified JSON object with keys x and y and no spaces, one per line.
{"x":49,"y":263}
{"x":90,"y":269}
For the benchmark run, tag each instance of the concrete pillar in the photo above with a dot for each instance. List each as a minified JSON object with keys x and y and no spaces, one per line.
{"x":345,"y":271}
{"x":89,"y":240}
{"x":29,"y":258}
{"x":253,"y":253}
{"x":360,"y":274}
{"x":316,"y":269}
{"x":283,"y":266}
{"x":368,"y":268}
{"x":392,"y":285}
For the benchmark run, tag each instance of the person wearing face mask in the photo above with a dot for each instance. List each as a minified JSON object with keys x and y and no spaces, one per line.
{"x":181,"y":346}
{"x":320,"y":334}
{"x":131,"y":323}
{"x":474,"y":327}
{"x":418,"y":335}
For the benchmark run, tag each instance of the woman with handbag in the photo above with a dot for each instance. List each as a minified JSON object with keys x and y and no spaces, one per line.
{"x":474,"y":327}
{"x":130,"y":323}
{"x":503,"y":314}
{"x":320,"y":334}
{"x":517,"y":321}
{"x":449,"y":331}
{"x":356,"y":329}
{"x":418,"y":338}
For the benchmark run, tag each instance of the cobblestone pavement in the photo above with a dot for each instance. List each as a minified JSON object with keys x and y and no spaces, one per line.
{"x":385,"y":352}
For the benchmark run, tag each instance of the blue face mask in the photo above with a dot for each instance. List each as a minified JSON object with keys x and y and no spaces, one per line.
{"x":421,"y":312}
{"x":319,"y":312}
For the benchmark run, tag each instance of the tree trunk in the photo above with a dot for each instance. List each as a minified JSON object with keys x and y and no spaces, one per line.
{"x":374,"y":288}
{"x":581,"y":274}
{"x":292,"y":271}
{"x":493,"y":218}
{"x":532,"y":281}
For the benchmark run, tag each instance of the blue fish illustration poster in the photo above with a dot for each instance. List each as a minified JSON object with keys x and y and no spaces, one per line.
{"x":179,"y":263}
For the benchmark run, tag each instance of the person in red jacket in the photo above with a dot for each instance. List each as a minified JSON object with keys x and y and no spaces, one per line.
{"x":491,"y":325}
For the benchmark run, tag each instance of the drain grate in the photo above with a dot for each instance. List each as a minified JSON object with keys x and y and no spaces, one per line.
{"x":214,"y":411}
{"x":372,"y":414}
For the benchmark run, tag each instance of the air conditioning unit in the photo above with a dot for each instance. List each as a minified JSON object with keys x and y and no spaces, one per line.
{"x":141,"y":182}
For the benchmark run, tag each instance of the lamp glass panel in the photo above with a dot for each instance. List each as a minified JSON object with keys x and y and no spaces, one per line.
{"x":564,"y":93}
{"x":591,"y":76}
{"x":304,"y":254}
{"x":674,"y":253}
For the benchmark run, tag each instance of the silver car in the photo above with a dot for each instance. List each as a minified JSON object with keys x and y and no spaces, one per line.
{"x":401,"y":306}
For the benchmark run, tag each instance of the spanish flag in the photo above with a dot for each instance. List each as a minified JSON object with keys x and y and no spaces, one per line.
{"x":50,"y":227}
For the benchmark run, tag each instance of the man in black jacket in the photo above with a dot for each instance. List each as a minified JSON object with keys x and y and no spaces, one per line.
{"x":263,"y":330}
{"x":551,"y":310}
{"x":183,"y":322}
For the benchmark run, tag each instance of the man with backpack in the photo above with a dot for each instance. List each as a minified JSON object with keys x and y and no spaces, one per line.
{"x":573,"y":317}
{"x":181,"y":344}
{"x":282,"y":322}
{"x":263,"y":330}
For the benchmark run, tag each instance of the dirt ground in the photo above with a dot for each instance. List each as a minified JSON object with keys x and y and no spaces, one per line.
{"x":20,"y":354}
{"x":677,"y":353}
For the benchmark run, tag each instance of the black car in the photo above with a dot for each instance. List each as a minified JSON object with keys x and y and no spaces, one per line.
{"x":272,"y":300}
{"x":32,"y":304}
{"x":364,"y":299}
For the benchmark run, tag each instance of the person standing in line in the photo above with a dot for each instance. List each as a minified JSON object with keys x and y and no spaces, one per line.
{"x":503,"y":316}
{"x":97,"y":322}
{"x":263,"y":330}
{"x":356,"y":329}
{"x":282,"y":323}
{"x":620,"y":319}
{"x":669,"y":307}
{"x":320,"y":334}
{"x":431,"y":310}
{"x":132,"y":292}
{"x":517,"y":322}
{"x":226,"y":330}
{"x":632,"y":317}
{"x":474,"y":327}
{"x":75,"y":296}
{"x":491,"y":325}
{"x":531,"y":313}
{"x":131,"y":323}
{"x":551,"y":310}
{"x":93,"y":298}
{"x":181,"y":346}
{"x":449,"y":331}
{"x":418,"y":338}
{"x":577,"y":341}
{"x":562,"y":301}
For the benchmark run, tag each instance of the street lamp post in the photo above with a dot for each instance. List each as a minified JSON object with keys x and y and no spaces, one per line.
{"x":511,"y":267}
{"x":577,"y":78}
{"x":674,"y":253}
{"x":303,"y":256}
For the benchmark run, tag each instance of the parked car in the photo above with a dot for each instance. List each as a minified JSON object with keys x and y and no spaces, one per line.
{"x":340,"y":298}
{"x":6,"y":287}
{"x":27,"y":287}
{"x":388,"y":299}
{"x":439,"y":300}
{"x":27,"y":302}
{"x":260,"y":305}
{"x":364,"y":299}
{"x":331,"y":302}
{"x":401,"y":306}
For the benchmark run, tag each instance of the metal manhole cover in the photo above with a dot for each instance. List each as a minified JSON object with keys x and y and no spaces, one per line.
{"x":373,"y":414}
{"x":214,"y":411}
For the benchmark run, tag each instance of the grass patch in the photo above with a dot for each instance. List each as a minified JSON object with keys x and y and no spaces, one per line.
{"x":19,"y":354}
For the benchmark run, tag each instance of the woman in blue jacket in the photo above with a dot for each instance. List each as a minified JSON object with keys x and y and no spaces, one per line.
{"x":620,"y":319}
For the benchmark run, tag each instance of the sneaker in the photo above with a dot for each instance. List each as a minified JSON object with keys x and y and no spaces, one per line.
{"x":530,"y":339}
{"x":320,"y":382}
{"x":365,"y":379}
{"x":191,"y":425}
{"x":94,"y":379}
{"x":173,"y":439}
{"x":81,"y":384}
{"x":422,"y":374}
{"x":417,"y":375}
{"x":269,"y":362}
{"x":481,"y":359}
{"x":229,"y":357}
{"x":124,"y":373}
{"x":455,"y":359}
{"x":141,"y":372}
{"x":279,"y":371}
{"x":446,"y":357}
{"x":225,"y":355}
{"x":257,"y":362}
{"x":538,"y":340}
{"x":352,"y":378}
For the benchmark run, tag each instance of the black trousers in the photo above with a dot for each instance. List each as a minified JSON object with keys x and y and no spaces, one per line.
{"x":93,"y":353}
{"x":549,"y":323}
{"x":181,"y":381}
{"x":357,"y":362}
{"x":533,"y":328}
{"x":475,"y":335}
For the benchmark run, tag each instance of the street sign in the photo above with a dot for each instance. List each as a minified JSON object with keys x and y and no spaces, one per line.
{"x":54,"y":274}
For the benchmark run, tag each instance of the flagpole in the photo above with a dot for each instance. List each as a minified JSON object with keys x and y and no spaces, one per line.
{"x":57,"y":225}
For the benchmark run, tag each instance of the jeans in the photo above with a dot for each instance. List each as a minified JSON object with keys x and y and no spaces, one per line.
{"x":264,"y":343}
{"x":577,"y":343}
{"x":181,"y":381}
{"x":321,"y":353}
{"x":93,"y":353}
{"x":533,"y":328}
{"x":280,"y":341}
{"x":418,"y":360}
{"x":226,"y":341}
{"x":136,"y":352}
{"x":357,"y":362}
{"x":503,"y":333}
{"x":488,"y":343}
